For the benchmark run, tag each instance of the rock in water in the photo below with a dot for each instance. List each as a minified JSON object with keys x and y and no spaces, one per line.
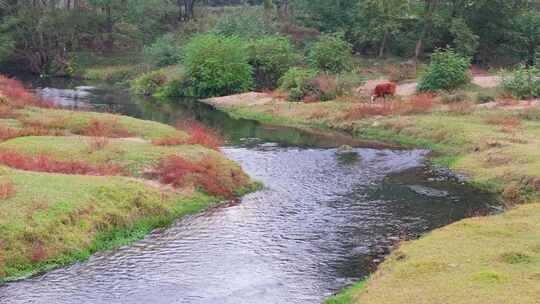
{"x":427,"y":191}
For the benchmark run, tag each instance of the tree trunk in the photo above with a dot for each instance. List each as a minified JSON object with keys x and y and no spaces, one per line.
{"x":109,"y":29}
{"x":383,"y":45}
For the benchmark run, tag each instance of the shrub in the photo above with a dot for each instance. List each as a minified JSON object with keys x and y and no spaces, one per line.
{"x":105,"y":128}
{"x":448,"y":98}
{"x":523,"y":82}
{"x":461,"y":108}
{"x":166,"y":50}
{"x":148,"y":83}
{"x":7,"y":189}
{"x":217,"y":65}
{"x":446,"y":71}
{"x":198,"y":135}
{"x":245,"y":23}
{"x":365,"y":110}
{"x":485,"y":97}
{"x":325,"y":87}
{"x":179,"y":172}
{"x":43,"y":163}
{"x":270,"y":58}
{"x":348,"y":82}
{"x":420,"y":103}
{"x":330,"y":53}
{"x":298,"y":83}
{"x":18,"y":96}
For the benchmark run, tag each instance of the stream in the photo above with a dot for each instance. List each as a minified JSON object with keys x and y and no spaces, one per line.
{"x":325,"y":218}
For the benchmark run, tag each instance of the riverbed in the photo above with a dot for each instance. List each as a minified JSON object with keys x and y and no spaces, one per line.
{"x":325,"y":218}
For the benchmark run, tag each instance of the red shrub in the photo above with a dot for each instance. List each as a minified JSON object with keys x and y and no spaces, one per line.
{"x":10,"y":133}
{"x":105,"y":128}
{"x":178,"y":172}
{"x":420,"y":103}
{"x":7,"y":190}
{"x":7,"y":112}
{"x":38,"y":253}
{"x":43,"y":163}
{"x":198,"y":135}
{"x":168,"y":141}
{"x":368,"y":110}
{"x":18,"y":96}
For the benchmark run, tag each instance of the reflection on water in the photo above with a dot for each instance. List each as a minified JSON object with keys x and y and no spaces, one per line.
{"x":325,"y":217}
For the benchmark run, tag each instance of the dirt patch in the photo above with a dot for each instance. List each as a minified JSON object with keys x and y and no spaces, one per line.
{"x":245,"y":99}
{"x":487,"y":81}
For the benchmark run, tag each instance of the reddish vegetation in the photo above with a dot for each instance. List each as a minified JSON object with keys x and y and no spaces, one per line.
{"x":169,"y":141}
{"x":43,"y":163}
{"x":105,"y":128}
{"x":420,"y":103}
{"x":461,"y":108}
{"x":7,"y":190}
{"x":384,"y":89}
{"x":38,"y":253}
{"x":7,"y":112}
{"x":178,"y":172}
{"x":18,"y":96}
{"x":97,"y":143}
{"x":10,"y":133}
{"x":198,"y":135}
{"x":367,"y":110}
{"x":508,"y":124}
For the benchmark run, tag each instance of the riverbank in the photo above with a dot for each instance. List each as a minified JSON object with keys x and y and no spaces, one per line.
{"x":487,"y":259}
{"x":73,"y":183}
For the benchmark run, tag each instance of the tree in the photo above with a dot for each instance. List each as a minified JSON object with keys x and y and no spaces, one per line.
{"x":527,"y":35}
{"x":384,"y":18}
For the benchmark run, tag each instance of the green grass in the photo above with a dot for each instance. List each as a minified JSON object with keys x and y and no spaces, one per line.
{"x":132,"y":154}
{"x":347,"y":295}
{"x":76,"y":122}
{"x":481,"y":260}
{"x":56,"y":219}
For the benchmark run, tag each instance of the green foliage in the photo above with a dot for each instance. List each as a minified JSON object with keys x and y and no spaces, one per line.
{"x":166,"y":50}
{"x":465,"y":41}
{"x":446,"y":71}
{"x":270,"y":58}
{"x":527,"y":35}
{"x":523,"y":82}
{"x":347,"y":82}
{"x":245,"y":23}
{"x":484,"y":97}
{"x":148,"y":83}
{"x":330,"y":53}
{"x":298,"y":82}
{"x":217,"y":65}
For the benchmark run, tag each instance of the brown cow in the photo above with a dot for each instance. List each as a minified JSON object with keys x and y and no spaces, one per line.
{"x":383,"y":90}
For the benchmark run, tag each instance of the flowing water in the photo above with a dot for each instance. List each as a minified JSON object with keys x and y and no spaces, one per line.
{"x":324,"y":219}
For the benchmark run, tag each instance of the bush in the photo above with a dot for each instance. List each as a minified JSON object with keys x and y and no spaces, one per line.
{"x":485,"y":98}
{"x":270,"y":58}
{"x":166,"y":50}
{"x":523,"y":82}
{"x":217,"y":65}
{"x":148,"y":83}
{"x":245,"y":23}
{"x":447,"y":71}
{"x":330,"y":54}
{"x":298,"y":83}
{"x":448,"y":98}
{"x":348,"y":82}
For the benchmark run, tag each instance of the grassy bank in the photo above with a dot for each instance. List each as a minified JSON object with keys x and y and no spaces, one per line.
{"x":491,"y":259}
{"x":73,"y":183}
